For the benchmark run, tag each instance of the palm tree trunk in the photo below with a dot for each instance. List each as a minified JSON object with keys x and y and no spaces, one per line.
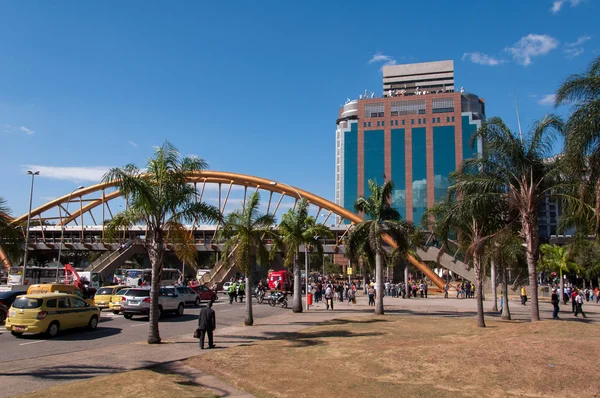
{"x":505,"y":307}
{"x":297,"y":305}
{"x":493,"y":280}
{"x":364,"y":274}
{"x":249,"y":319}
{"x":156,"y":251}
{"x":561,"y":295}
{"x":531,"y":242}
{"x":479,"y":289}
{"x":378,"y":285}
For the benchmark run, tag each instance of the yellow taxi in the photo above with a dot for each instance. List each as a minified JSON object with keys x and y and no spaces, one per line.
{"x":116,"y":301}
{"x":104,"y":295}
{"x":58,"y":288}
{"x":50,"y":312}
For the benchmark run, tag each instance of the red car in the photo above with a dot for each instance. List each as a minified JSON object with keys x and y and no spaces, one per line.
{"x":205,"y":293}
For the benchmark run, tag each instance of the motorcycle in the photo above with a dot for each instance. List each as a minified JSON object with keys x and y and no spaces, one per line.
{"x":278,"y":298}
{"x":260,"y":295}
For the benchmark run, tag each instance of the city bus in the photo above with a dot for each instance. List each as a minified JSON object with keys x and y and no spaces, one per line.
{"x":44,"y":275}
{"x":137,"y":277}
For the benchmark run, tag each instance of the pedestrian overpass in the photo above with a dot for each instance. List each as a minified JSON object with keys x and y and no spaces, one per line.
{"x":83,"y":228}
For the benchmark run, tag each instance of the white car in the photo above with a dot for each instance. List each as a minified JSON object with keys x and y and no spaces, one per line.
{"x":190,"y":297}
{"x":226,"y":287}
{"x":137,"y":302}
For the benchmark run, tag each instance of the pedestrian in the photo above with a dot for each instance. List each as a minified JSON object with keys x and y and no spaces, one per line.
{"x":579,"y":304}
{"x":573,"y":301}
{"x":371,"y":295}
{"x":446,"y":287}
{"x":425,"y":289}
{"x":422,"y":289}
{"x":232,"y":293}
{"x":523,"y":295}
{"x":329,"y":296}
{"x":207,"y":323}
{"x":555,"y":300}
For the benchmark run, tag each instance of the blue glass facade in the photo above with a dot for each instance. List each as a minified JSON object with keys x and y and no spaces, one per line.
{"x":419,"y":172}
{"x":467,"y":131}
{"x":374,"y":157}
{"x":444,"y":159}
{"x":351,"y":166}
{"x":398,"y":171}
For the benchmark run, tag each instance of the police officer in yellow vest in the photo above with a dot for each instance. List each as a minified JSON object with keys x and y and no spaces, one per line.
{"x":232,"y":292}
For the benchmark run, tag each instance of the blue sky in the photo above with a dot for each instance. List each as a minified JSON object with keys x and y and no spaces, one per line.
{"x":252,"y":87}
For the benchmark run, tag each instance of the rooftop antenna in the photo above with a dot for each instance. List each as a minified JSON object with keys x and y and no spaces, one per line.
{"x":518,"y":117}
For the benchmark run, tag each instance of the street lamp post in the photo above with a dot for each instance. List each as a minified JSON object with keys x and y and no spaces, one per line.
{"x":62,"y":229}
{"x":32,"y":174}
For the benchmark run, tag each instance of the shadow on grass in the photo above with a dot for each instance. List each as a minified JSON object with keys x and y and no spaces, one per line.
{"x":67,"y":373}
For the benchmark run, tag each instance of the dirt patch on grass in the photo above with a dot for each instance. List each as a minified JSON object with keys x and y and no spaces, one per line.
{"x":137,"y":383}
{"x":420,"y":356}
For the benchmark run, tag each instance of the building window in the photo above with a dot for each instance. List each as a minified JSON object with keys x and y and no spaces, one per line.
{"x":433,"y":120}
{"x":448,"y":119}
{"x":394,"y":113}
{"x":412,"y":121}
{"x":442,"y":105}
{"x":369,"y":124}
{"x":403,"y":122}
{"x":424,"y":121}
{"x":382,"y":124}
{"x":413,"y":107}
{"x":419,"y":121}
{"x":452,"y":118}
{"x":374,"y":110}
{"x":378,"y":123}
{"x":438,"y":120}
{"x":364,"y":124}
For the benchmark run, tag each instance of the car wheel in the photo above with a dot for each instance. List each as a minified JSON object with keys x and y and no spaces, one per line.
{"x":93,"y":323}
{"x":2,"y":316}
{"x":128,"y":316}
{"x":197,"y":301}
{"x":180,"y":310}
{"x":16,"y":334}
{"x":53,"y":329}
{"x":116,"y":312}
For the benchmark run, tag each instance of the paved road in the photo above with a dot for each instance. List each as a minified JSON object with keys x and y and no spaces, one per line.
{"x":115,"y":330}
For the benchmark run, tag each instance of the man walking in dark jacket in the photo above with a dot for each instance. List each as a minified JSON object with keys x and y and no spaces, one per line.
{"x":206,"y":324}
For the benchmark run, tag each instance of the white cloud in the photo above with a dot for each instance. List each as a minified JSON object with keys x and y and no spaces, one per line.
{"x":557,"y":5}
{"x":75,"y":174}
{"x":575,"y":48}
{"x":48,"y":198}
{"x":547,"y":99}
{"x":26,"y":130}
{"x":481,"y":59}
{"x":133,"y":144}
{"x":21,"y":129}
{"x":386,"y":60}
{"x":531,"y":46}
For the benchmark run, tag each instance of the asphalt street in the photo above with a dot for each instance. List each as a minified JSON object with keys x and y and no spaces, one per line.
{"x":116,"y":330}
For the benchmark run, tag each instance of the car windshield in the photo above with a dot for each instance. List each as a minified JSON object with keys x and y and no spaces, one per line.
{"x":139,"y":293}
{"x":7,"y":295}
{"x":104,"y":291}
{"x":122,"y":292}
{"x":24,"y":302}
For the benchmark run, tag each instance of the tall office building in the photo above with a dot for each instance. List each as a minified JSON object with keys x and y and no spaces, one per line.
{"x":416,"y":134}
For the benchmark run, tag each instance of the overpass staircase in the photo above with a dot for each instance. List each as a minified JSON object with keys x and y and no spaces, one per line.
{"x":222,"y":271}
{"x":452,"y":263}
{"x":110,"y":261}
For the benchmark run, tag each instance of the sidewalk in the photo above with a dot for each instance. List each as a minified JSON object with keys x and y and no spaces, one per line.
{"x":35,"y":374}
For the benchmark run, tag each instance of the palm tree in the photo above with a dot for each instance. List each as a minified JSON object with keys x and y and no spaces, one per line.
{"x":557,"y":258}
{"x":582,"y":143}
{"x":9,"y":236}
{"x":382,"y":219}
{"x":160,"y":198}
{"x":244,"y":233}
{"x":298,"y":228}
{"x":505,"y":251}
{"x":518,"y":171}
{"x":474,"y":219}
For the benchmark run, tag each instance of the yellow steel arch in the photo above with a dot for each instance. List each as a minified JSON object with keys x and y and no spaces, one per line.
{"x":209,"y":176}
